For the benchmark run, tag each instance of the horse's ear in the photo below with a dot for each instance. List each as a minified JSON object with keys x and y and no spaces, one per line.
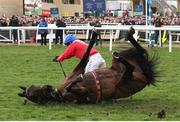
{"x":23,"y":87}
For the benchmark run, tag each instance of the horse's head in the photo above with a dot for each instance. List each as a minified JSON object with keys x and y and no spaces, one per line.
{"x":32,"y":93}
{"x":39,"y":94}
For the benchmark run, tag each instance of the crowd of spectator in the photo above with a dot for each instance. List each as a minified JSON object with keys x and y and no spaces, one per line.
{"x":156,"y":20}
{"x":135,"y":20}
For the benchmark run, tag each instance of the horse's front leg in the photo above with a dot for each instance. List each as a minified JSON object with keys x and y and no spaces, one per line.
{"x":69,"y":83}
{"x":78,"y":79}
{"x":77,"y":89}
{"x":80,"y":92}
{"x":75,"y":93}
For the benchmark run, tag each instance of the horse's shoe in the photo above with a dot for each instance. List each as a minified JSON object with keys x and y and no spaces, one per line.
{"x":115,"y":54}
{"x":131,"y":31}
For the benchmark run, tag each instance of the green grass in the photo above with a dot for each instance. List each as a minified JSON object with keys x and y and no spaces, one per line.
{"x":26,"y":65}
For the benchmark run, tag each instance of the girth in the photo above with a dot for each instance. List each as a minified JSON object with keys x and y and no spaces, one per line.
{"x":98,"y":87}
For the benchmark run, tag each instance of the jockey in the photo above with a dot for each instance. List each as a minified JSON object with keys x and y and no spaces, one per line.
{"x":76,"y":48}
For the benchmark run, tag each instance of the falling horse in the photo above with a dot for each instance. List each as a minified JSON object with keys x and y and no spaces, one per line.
{"x":131,"y":71}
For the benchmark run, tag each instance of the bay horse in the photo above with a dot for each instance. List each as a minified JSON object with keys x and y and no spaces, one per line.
{"x":131,"y":71}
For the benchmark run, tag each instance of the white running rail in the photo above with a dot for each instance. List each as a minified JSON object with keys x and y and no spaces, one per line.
{"x":170,"y":29}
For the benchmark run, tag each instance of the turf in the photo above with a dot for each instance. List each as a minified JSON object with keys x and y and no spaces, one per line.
{"x":26,"y":65}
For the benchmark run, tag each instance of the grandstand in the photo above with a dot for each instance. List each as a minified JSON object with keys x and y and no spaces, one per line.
{"x":84,"y":7}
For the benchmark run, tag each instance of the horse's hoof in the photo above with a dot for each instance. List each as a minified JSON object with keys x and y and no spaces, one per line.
{"x":131,"y":31}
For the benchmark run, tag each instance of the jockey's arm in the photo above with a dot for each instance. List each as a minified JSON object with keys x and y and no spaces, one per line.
{"x":68,"y":53}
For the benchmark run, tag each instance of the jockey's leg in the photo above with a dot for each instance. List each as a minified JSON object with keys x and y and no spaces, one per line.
{"x":95,"y":62}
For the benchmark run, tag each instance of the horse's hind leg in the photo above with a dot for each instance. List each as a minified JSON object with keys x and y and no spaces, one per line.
{"x":129,"y":68}
{"x":127,"y":73}
{"x":134,"y":42}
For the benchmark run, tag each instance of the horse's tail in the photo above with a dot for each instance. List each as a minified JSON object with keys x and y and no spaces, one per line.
{"x":148,"y":64}
{"x":149,"y":68}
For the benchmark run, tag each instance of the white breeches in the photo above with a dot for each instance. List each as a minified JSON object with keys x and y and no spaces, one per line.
{"x":95,"y":62}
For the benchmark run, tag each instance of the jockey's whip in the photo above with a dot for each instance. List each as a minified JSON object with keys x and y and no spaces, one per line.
{"x":62,"y":69}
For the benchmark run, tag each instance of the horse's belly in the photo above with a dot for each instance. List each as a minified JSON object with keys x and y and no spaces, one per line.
{"x":129,"y":88}
{"x":108,"y":79}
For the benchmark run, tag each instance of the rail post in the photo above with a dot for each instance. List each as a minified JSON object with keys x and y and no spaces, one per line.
{"x":111,"y":40}
{"x":50,"y":39}
{"x":170,"y":41}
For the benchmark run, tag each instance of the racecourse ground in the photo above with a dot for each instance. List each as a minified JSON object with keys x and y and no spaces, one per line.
{"x":26,"y":65}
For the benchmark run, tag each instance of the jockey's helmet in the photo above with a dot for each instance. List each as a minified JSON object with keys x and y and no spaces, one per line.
{"x":69,"y":39}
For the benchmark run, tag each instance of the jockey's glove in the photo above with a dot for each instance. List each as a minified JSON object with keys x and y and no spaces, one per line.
{"x":55,"y":59}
